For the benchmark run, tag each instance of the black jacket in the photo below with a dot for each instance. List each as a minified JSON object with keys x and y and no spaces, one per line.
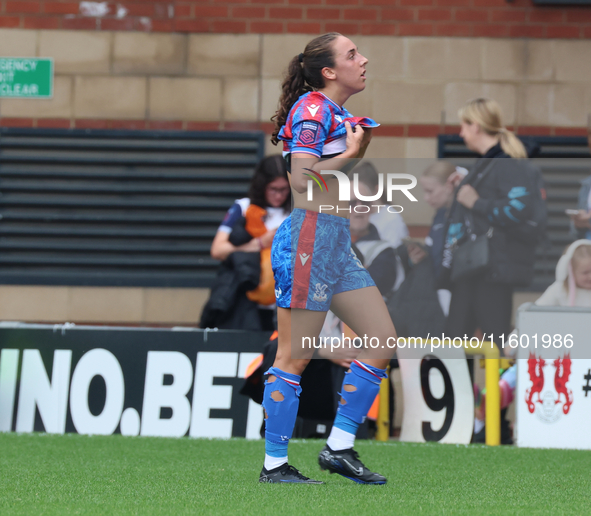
{"x":506,"y":204}
{"x":414,"y":307}
{"x":227,"y":306}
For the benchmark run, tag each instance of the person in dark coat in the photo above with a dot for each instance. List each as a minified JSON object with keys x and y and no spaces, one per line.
{"x":501,"y":204}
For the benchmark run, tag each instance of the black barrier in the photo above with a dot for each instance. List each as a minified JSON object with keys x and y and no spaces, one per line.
{"x":134,"y":381}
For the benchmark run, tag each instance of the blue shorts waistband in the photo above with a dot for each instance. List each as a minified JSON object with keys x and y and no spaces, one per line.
{"x":324,"y":217}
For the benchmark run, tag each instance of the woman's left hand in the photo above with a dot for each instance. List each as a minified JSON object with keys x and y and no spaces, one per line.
{"x":467,"y":196}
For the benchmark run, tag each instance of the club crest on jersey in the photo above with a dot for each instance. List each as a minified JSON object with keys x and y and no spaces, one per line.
{"x":313,"y":109}
{"x":320,"y":295}
{"x":338,"y":118}
{"x":309,"y":132}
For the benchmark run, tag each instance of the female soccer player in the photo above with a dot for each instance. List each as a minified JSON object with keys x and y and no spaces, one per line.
{"x":314,"y":266}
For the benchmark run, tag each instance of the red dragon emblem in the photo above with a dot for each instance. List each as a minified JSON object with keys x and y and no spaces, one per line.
{"x":535,"y":368}
{"x":562,"y":366}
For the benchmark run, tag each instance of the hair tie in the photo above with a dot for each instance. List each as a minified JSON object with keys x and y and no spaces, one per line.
{"x":301,"y":58}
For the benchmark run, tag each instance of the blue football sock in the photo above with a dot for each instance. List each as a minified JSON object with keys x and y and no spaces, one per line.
{"x":360,"y":388}
{"x":280,"y":401}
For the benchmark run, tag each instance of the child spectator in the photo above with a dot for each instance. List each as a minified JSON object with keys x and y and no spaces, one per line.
{"x":573,"y":278}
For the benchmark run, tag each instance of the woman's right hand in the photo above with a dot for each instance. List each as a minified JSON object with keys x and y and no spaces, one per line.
{"x":366,"y":136}
{"x":354,"y":137}
{"x":416,"y":254}
{"x":258,"y":244}
{"x":582,"y":220}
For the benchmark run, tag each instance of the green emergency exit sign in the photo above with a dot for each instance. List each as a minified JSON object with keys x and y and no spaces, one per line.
{"x":26,"y":77}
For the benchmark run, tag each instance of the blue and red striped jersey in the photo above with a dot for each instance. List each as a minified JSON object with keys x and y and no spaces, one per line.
{"x":316,"y":125}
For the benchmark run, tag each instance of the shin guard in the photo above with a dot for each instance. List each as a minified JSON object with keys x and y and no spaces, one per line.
{"x":360,"y":388}
{"x":281,"y":400}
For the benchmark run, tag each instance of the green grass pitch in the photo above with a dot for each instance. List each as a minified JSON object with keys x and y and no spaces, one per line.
{"x":74,"y":474}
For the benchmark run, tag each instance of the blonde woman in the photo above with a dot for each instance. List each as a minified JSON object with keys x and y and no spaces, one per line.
{"x":495,"y":198}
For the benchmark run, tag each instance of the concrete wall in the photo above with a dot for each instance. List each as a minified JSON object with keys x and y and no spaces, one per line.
{"x":101,"y":305}
{"x":114,"y":305}
{"x":227,"y":78}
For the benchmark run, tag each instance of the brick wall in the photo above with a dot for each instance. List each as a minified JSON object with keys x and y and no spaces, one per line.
{"x":467,"y":18}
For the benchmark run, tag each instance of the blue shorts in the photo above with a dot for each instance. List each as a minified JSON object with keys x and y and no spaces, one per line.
{"x":312,"y":261}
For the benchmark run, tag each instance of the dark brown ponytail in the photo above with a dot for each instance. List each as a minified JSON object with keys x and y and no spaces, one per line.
{"x":304,"y":74}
